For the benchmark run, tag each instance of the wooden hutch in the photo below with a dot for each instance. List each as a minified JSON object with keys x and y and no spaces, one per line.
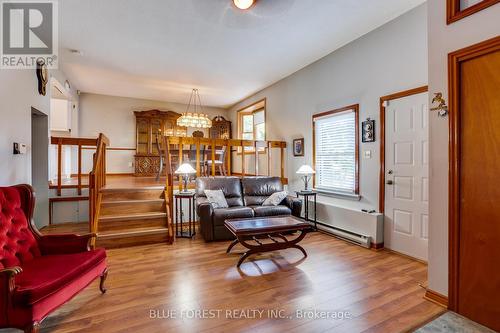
{"x":150,"y":126}
{"x":221,"y":128}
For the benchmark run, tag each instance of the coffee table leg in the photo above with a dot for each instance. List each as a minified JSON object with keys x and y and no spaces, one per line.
{"x":296,"y":246}
{"x":233,"y":243}
{"x":244,"y":256}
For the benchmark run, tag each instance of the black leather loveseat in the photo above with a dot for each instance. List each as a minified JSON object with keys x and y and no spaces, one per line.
{"x":244,"y":197}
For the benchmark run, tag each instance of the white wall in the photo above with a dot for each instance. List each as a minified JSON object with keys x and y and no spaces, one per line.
{"x":18,"y":93}
{"x":390,"y":59}
{"x":444,"y":39}
{"x":114,"y":117}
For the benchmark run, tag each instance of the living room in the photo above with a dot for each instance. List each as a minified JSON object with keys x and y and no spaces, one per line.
{"x":249,"y":165}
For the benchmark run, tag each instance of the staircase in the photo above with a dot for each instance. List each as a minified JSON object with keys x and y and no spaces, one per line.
{"x":132,"y":216}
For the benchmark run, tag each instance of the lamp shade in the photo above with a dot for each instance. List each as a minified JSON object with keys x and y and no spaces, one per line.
{"x":185,"y":168}
{"x":306,"y":170}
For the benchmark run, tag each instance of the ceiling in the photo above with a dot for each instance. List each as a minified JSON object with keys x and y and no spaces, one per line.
{"x":161,"y":49}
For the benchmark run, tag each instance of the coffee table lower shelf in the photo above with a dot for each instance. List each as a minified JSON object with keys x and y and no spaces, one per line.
{"x":252,"y":232}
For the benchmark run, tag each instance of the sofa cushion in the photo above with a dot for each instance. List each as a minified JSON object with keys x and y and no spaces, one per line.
{"x":17,"y":243}
{"x":45,"y":275}
{"x":257,"y":189}
{"x":216,"y":198}
{"x":275,"y":199}
{"x":271,"y":210}
{"x":222,"y":214}
{"x":231,"y":187}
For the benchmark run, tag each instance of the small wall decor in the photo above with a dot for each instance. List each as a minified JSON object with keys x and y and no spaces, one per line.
{"x":441,"y":106}
{"x":368,"y":130}
{"x":298,"y":147}
{"x":42,"y":76}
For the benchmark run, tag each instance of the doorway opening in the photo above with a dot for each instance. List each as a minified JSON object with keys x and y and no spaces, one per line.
{"x":40,"y":164}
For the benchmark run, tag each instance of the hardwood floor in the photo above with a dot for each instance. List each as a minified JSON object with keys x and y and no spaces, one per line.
{"x":378,"y":289}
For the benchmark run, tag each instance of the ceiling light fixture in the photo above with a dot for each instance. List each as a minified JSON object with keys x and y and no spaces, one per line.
{"x":243,"y":4}
{"x":194,"y":118}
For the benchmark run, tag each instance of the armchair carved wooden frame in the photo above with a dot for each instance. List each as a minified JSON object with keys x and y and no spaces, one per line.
{"x":39,"y":273}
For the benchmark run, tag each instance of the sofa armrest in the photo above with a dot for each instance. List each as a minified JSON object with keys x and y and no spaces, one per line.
{"x":65,"y":243}
{"x":7,"y":286}
{"x":205,"y":212}
{"x":295,"y":204}
{"x":7,"y":279}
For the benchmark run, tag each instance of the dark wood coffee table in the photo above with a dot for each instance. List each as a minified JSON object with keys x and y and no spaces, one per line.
{"x":251,"y":233}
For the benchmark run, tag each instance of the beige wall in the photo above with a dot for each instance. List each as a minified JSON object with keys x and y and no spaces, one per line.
{"x":114,"y":117}
{"x":444,"y":39}
{"x":390,"y":59}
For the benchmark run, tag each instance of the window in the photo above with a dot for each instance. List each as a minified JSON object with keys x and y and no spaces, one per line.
{"x":335,"y":151}
{"x":252,"y":123}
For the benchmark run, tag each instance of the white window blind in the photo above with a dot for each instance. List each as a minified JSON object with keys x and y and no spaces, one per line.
{"x":335,"y":152}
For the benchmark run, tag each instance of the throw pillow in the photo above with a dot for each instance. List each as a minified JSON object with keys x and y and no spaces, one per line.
{"x":275,"y":199}
{"x":216,"y":198}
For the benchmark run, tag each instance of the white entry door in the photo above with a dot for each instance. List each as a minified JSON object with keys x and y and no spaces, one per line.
{"x":407,"y":175}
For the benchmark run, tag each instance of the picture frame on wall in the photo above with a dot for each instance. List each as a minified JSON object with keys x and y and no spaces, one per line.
{"x":298,"y":147}
{"x":368,"y":130}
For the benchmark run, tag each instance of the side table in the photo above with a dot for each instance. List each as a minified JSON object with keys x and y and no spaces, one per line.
{"x":307,"y":195}
{"x":179,"y":216}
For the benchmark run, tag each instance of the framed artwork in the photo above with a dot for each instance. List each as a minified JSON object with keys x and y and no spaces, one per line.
{"x":298,"y":147}
{"x":458,"y":9}
{"x":368,"y":130}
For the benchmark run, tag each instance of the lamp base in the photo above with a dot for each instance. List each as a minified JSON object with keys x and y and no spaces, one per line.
{"x":184,"y":192}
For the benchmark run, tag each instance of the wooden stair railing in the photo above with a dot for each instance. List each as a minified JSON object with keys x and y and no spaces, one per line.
{"x":70,"y":141}
{"x":97,"y":180}
{"x":169,"y":188}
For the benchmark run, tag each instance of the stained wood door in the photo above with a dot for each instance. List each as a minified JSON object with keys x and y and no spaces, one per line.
{"x":407,"y":175}
{"x":475,"y":213}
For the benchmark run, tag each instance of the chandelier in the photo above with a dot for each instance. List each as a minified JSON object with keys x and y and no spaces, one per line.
{"x":194,"y":117}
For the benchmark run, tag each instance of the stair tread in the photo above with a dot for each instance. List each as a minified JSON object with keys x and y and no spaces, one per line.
{"x":131,"y":201}
{"x":132,"y":189}
{"x":131,"y":233}
{"x":132,"y":216}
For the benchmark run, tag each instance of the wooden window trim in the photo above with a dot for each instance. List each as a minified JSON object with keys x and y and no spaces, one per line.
{"x":355,"y":109}
{"x":241,"y":112}
{"x":453,"y":12}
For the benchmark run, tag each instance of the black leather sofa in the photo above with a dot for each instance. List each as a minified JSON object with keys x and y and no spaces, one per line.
{"x":244,"y":197}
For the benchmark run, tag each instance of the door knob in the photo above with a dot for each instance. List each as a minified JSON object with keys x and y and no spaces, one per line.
{"x":390,"y":182}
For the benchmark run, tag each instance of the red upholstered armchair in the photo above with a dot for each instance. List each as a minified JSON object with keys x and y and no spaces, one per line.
{"x":39,"y":273}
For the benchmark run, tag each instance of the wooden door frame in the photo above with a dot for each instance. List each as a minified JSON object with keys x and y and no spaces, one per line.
{"x":454,"y":62}
{"x":383,"y":99}
{"x":453,"y":12}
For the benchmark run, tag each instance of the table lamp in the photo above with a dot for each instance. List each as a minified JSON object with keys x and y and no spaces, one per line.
{"x":185,"y":170}
{"x":306,"y":171}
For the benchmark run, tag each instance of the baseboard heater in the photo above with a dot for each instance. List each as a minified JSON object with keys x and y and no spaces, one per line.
{"x":349,"y":236}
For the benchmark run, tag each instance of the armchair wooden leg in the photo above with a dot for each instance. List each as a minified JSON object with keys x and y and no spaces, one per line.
{"x":34,"y":328}
{"x":103,"y":279}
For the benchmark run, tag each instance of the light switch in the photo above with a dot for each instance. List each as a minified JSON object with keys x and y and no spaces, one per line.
{"x":368,"y":154}
{"x":20,"y":148}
